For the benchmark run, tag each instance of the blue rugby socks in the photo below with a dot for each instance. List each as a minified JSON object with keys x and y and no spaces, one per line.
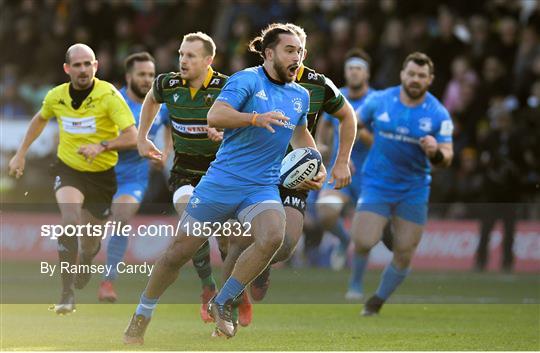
{"x":358,"y":269}
{"x":146,"y":306}
{"x":390,"y":280}
{"x":231,"y":289}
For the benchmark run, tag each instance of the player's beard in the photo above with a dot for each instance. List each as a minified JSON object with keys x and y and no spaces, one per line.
{"x":138,"y":91}
{"x":282,"y":71}
{"x":420,"y":91}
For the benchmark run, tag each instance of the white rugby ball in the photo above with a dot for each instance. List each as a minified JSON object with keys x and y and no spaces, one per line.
{"x":299,"y":165}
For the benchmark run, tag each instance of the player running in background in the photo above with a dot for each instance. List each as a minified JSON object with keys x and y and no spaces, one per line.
{"x":412,"y":131}
{"x":261,"y":109}
{"x":188,"y":95}
{"x":331,"y":201}
{"x":90,"y":113}
{"x":132,"y":171}
{"x":324,"y":97}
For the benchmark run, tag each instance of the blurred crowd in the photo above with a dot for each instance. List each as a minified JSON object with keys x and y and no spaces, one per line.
{"x":486,"y":54}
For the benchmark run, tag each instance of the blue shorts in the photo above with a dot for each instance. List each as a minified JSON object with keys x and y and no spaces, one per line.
{"x":136,"y":189}
{"x":411,"y":205}
{"x":218,"y":201}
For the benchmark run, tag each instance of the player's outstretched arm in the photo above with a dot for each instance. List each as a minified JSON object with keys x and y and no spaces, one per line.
{"x":222,"y":116}
{"x":341,"y":173}
{"x":17,"y":163}
{"x":168,"y":147}
{"x":149,"y":110}
{"x":302,"y":138}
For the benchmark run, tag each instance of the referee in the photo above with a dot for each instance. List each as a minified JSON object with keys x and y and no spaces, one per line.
{"x":94,"y":122}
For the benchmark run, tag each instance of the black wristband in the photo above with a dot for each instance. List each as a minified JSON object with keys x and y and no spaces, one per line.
{"x":437,"y":158}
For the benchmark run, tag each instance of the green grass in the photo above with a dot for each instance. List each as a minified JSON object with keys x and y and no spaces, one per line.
{"x":431,"y":311}
{"x":282,"y":327}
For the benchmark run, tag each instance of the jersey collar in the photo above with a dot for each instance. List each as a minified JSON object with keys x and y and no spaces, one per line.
{"x":300,"y":73}
{"x":193,"y":91}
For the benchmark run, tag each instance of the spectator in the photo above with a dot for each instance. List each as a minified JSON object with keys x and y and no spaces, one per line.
{"x":497,"y":62}
{"x":465,"y":188}
{"x":390,"y":55}
{"x":462,"y":74}
{"x":12,"y":106}
{"x":500,"y":155}
{"x":443,"y":49}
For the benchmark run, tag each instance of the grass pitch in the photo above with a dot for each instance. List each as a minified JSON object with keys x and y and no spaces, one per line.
{"x":431,"y":311}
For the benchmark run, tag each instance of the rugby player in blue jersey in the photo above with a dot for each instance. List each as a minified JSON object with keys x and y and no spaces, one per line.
{"x":132,"y":171}
{"x":261,"y":110}
{"x":412,"y":131}
{"x":331,"y":200}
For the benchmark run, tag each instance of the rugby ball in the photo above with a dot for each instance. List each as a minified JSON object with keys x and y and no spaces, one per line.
{"x":299,"y":165}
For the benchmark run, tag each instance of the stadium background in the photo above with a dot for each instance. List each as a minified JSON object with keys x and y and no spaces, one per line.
{"x":486,"y":54}
{"x":487,"y":58}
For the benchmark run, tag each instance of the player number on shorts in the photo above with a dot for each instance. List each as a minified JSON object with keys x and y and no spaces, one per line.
{"x":217,"y":229}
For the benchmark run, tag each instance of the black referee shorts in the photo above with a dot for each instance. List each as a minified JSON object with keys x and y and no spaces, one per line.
{"x":98,"y":188}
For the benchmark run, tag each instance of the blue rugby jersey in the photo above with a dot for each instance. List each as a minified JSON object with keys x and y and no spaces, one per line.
{"x":130,"y":165}
{"x":253,"y":155}
{"x":396,"y":161}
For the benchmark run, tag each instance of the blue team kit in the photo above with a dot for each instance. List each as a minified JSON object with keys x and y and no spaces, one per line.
{"x":247,"y":165}
{"x":132,"y":170}
{"x":396,"y":174}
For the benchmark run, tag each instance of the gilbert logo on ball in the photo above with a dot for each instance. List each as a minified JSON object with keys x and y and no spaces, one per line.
{"x":299,"y":165}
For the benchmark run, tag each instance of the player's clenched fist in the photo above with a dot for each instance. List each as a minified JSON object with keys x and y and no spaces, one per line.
{"x":16,"y":166}
{"x":266,"y":120}
{"x":147,"y":149}
{"x":214,"y":135}
{"x":429,"y":145}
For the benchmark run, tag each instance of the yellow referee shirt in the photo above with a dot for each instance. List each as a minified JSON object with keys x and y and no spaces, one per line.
{"x":100,"y":117}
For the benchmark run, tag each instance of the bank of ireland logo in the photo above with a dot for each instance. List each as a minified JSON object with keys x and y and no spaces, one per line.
{"x":297,"y":104}
{"x":402,"y":130}
{"x":425,"y":124}
{"x":286,"y":124}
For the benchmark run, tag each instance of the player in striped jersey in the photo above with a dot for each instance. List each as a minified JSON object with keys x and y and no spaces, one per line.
{"x":188,"y":95}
